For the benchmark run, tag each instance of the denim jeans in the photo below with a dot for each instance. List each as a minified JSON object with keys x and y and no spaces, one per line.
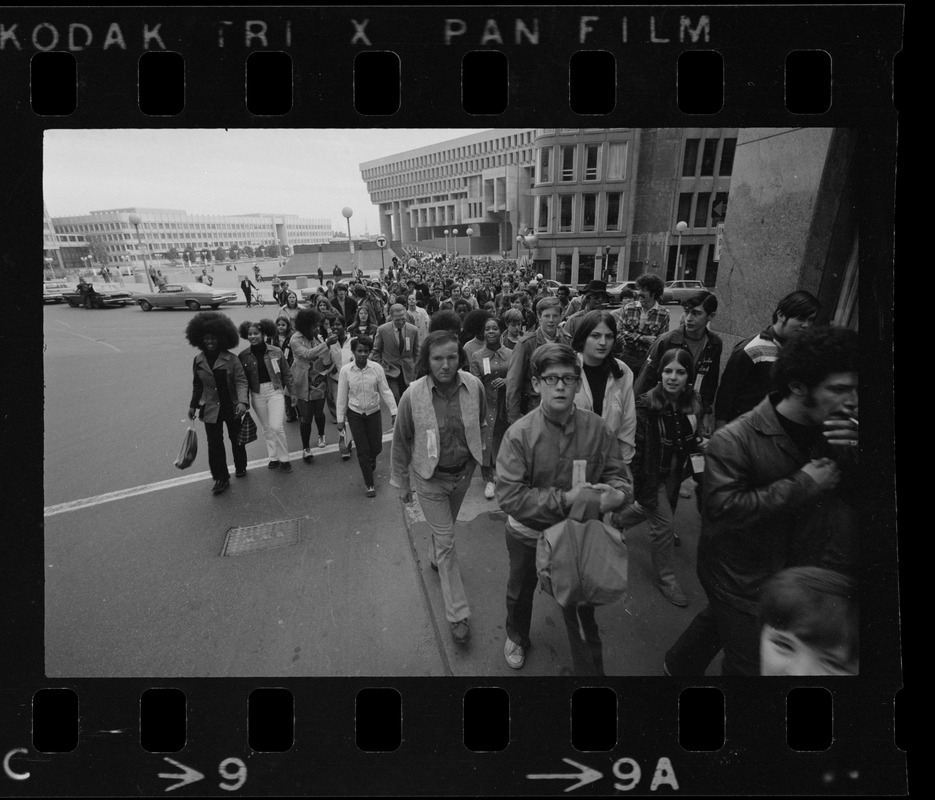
{"x":270,"y":407}
{"x":520,"y":587}
{"x":367,"y":431}
{"x":217,"y":455}
{"x":440,"y":498}
{"x":661,"y":533}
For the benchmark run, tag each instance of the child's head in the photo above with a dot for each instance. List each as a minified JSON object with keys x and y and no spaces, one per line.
{"x":808,"y":619}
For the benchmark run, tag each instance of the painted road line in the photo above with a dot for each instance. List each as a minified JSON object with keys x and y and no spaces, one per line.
{"x":96,"y":341}
{"x":172,"y":483}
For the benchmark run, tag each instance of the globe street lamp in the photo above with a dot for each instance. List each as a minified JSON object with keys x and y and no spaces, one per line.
{"x":607,"y":263}
{"x":470,"y":233}
{"x":446,"y":243}
{"x":135,"y":222}
{"x":529,"y":241}
{"x":347,"y":212}
{"x":680,"y":227}
{"x":454,"y":234}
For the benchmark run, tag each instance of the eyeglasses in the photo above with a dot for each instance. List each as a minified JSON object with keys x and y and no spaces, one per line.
{"x":552,"y":380}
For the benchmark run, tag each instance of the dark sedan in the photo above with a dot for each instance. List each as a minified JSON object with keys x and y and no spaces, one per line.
{"x":97,"y":295}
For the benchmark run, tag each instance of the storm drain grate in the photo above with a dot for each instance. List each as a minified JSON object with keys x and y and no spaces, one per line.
{"x":269,"y":535}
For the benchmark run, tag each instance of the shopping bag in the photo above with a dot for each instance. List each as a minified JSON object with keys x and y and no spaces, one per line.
{"x":188,"y":450}
{"x":343,"y":447}
{"x":581,"y":559}
{"x":246,"y":433}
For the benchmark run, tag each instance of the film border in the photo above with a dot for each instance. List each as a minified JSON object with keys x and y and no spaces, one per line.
{"x":321,"y":42}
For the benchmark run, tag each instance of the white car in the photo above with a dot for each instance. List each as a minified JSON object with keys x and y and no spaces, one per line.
{"x":52,"y":291}
{"x":681,"y":290}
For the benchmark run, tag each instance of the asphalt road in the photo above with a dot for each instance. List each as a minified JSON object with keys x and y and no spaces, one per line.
{"x":137,"y":585}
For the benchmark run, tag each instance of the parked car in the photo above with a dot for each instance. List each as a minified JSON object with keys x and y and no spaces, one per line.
{"x":680,"y":290}
{"x":178,"y":295}
{"x":98,"y":295}
{"x":53,"y":291}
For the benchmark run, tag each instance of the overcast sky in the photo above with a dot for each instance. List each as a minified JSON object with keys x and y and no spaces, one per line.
{"x":312,"y":173}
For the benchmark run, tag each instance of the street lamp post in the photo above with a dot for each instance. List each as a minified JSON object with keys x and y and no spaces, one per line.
{"x":470,"y":233}
{"x":529,"y":241}
{"x":347,"y":212}
{"x":446,"y":243}
{"x":135,"y":222}
{"x":454,"y":235}
{"x":607,"y":263}
{"x":680,"y":227}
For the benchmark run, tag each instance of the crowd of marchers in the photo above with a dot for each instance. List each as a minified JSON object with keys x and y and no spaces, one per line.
{"x":479,"y":363}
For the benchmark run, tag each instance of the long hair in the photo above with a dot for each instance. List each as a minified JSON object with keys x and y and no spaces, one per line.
{"x":308,"y":322}
{"x":588,"y":323}
{"x":434,"y":339}
{"x":213,"y":322}
{"x":289,"y":328}
{"x":688,"y":401}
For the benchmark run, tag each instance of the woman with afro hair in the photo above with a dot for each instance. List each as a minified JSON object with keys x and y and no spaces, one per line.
{"x":309,"y":377}
{"x":219,"y":390}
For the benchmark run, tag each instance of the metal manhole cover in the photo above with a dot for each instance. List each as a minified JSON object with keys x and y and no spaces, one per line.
{"x":267,"y":536}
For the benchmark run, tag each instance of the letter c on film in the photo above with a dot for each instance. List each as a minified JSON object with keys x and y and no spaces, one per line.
{"x":16,"y":776}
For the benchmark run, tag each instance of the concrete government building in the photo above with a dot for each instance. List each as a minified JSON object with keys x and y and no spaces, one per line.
{"x":599,"y":201}
{"x":161,"y":229}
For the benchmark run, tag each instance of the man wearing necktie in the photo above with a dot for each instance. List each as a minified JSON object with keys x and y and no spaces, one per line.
{"x":396,"y":347}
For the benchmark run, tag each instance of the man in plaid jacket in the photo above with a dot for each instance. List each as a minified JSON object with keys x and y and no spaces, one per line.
{"x":641,"y":322}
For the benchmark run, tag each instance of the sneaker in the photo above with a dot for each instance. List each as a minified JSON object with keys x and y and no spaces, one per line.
{"x":489,"y":490}
{"x":286,"y":466}
{"x":673,"y":593}
{"x":460,"y":631}
{"x":241,"y":473}
{"x":321,"y":441}
{"x":308,"y":455}
{"x":514,"y":654}
{"x":371,"y":491}
{"x":221,"y":486}
{"x":273,"y":465}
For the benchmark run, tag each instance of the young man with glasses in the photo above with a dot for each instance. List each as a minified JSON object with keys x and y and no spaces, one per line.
{"x":544,"y":460}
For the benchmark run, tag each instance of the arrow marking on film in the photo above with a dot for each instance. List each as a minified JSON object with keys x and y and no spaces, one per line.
{"x":187,"y":775}
{"x":586,"y":776}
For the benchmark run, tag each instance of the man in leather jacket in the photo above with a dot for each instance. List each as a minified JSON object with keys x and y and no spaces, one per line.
{"x":778,"y":493}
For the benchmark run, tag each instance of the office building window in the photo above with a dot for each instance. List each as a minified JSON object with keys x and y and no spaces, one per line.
{"x":568,"y":162}
{"x":591,"y":154}
{"x":727,"y":157}
{"x":563,"y":268}
{"x":585,"y":268}
{"x":719,"y":209}
{"x":685,"y":207}
{"x":589,"y":212}
{"x":566,"y":212}
{"x":690,"y":161}
{"x":707,"y":156}
{"x":701,"y":210}
{"x":617,"y":161}
{"x":612,"y":222}
{"x":545,"y":214}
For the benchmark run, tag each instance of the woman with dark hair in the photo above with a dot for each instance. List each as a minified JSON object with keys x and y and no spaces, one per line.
{"x":269,"y":377}
{"x":606,"y":387}
{"x":363,"y":324}
{"x":309,"y":377}
{"x":219,"y":391}
{"x":667,"y":424}
{"x":490,"y":364}
{"x":472,"y":332}
{"x":438,"y":438}
{"x":338,"y":354}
